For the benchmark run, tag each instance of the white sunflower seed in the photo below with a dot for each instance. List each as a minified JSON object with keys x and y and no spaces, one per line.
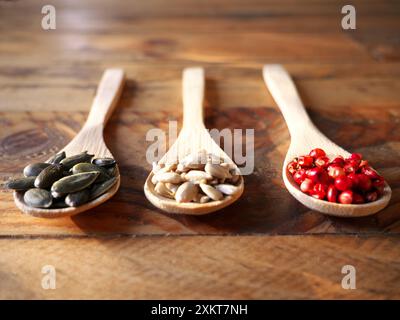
{"x":172,"y":187}
{"x":196,"y":176}
{"x":162,"y":190}
{"x":181,"y":168}
{"x":211,"y":192}
{"x":186,"y":192}
{"x":217,"y":171}
{"x":170,"y":166}
{"x":171,"y":177}
{"x":227,"y":189}
{"x":195,"y":160}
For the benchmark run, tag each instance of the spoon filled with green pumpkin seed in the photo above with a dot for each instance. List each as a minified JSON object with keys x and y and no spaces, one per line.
{"x":84,"y":173}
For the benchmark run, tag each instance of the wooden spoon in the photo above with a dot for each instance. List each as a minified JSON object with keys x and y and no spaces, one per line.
{"x":192,"y":138}
{"x":305,"y":137}
{"x":89,"y":138}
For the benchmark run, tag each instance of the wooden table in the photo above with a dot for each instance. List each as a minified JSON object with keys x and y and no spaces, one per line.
{"x":265,"y":246}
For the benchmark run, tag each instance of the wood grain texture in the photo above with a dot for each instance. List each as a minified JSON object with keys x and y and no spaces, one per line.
{"x":348,"y":81}
{"x":201,"y":267}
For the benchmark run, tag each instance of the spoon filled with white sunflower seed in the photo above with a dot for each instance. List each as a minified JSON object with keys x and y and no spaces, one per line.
{"x":195,"y":176}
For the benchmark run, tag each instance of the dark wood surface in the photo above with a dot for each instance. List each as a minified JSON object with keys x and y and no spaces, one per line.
{"x":197,"y":267}
{"x":348,"y":80}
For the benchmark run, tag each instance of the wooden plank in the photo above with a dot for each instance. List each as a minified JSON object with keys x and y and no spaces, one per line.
{"x":98,"y":21}
{"x":222,"y":47}
{"x":348,"y":80}
{"x":201,"y":268}
{"x":123,"y":34}
{"x":37,"y":73}
{"x":327,"y":87}
{"x":235,"y":8}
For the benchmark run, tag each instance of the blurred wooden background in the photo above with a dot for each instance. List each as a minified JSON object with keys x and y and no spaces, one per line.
{"x":349,"y":81}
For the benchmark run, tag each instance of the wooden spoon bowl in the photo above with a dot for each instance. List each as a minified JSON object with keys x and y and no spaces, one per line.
{"x":305,"y":137}
{"x":89,"y":138}
{"x":192,"y":138}
{"x":190,"y":208}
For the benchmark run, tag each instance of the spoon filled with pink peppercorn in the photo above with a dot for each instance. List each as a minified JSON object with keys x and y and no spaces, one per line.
{"x":317,"y":172}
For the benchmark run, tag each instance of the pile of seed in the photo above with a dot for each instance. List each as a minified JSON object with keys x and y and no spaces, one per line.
{"x":196,"y":178}
{"x":65,"y":181}
{"x":341,"y":180}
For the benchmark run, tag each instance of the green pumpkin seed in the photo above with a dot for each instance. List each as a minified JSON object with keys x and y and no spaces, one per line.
{"x":74,"y":183}
{"x":104,"y":162}
{"x":21,"y":184}
{"x":57,"y":158}
{"x":38,"y":198}
{"x":186,"y":192}
{"x":71,"y":180}
{"x":77,"y":198}
{"x":112,"y":172}
{"x":69,"y":162}
{"x":48,"y":176}
{"x":88,"y":167}
{"x":100,"y":188}
{"x":33,"y":169}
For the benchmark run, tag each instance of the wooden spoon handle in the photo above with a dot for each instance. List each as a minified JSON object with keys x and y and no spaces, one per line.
{"x":107,"y":95}
{"x":193,"y":95}
{"x":285,"y":94}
